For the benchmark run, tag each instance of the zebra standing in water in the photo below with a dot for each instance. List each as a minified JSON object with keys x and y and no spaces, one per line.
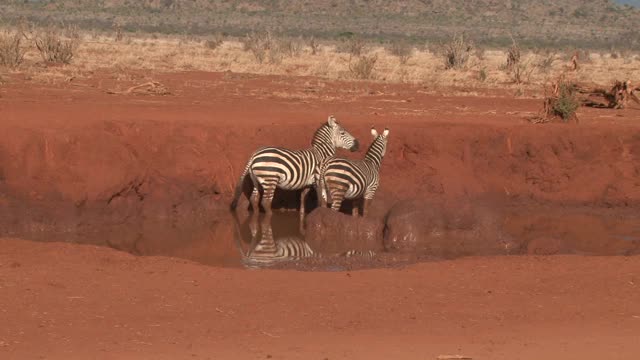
{"x":353,"y":179}
{"x":275,"y":167}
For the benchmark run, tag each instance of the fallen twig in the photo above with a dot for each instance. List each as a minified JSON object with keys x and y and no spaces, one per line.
{"x":151,"y":87}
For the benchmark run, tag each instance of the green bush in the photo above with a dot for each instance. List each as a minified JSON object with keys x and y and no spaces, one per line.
{"x":566,"y":104}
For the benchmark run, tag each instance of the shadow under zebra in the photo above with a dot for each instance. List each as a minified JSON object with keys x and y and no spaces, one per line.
{"x":266,"y":241}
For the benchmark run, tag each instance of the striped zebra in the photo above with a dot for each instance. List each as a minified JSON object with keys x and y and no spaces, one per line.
{"x":276,"y":167}
{"x":269,"y":251}
{"x":353,"y":179}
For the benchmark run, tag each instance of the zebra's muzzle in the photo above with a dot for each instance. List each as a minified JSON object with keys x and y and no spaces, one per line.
{"x":356,"y":146}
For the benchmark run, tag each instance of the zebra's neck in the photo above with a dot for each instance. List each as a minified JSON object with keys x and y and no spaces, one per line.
{"x":374,"y":153}
{"x":322,"y":143}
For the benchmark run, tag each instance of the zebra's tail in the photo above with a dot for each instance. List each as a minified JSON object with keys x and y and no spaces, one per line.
{"x":238,"y":190}
{"x":321,"y":189}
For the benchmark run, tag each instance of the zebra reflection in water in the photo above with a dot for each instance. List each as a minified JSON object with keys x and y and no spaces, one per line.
{"x":265,"y":249}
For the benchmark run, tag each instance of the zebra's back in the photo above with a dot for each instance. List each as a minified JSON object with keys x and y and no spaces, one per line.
{"x":289,"y":169}
{"x":355,"y":176}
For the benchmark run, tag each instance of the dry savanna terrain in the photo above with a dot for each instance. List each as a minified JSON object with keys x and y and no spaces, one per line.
{"x":505,"y":225}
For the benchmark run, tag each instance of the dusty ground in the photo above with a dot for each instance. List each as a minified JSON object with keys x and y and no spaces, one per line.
{"x":61,"y":301}
{"x":72,"y":155}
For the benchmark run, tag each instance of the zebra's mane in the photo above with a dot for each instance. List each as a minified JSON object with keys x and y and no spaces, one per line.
{"x":374,"y":152}
{"x":322,"y":136}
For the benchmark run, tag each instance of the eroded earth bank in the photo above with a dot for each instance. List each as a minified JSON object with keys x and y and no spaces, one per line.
{"x":464,"y":175}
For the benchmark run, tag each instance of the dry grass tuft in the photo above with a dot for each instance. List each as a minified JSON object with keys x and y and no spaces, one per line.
{"x":353,"y":45}
{"x":54,"y":47}
{"x":457,"y":52}
{"x":259,"y":44}
{"x":291,"y":47}
{"x":11,"y":50}
{"x":314,"y":45}
{"x":402,"y":50}
{"x":521,"y":73}
{"x":513,"y":55}
{"x":214,"y":42}
{"x":363,"y":67}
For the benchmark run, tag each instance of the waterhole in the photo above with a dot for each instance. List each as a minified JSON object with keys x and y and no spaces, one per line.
{"x":258,"y":242}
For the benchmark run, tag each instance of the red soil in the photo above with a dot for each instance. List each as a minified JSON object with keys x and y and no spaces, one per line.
{"x":74,"y":149}
{"x":61,"y":301}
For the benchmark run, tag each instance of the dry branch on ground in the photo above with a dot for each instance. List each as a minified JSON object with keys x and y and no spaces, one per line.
{"x":151,"y":87}
{"x":617,"y":97}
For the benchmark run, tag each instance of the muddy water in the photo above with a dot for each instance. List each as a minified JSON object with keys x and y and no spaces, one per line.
{"x":224,"y":240}
{"x":279,"y":242}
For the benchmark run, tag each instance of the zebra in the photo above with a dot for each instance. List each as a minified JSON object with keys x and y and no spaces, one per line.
{"x":269,"y":250}
{"x":353,"y":179}
{"x":276,"y":167}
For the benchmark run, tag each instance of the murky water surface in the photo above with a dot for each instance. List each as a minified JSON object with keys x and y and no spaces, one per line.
{"x":279,"y":242}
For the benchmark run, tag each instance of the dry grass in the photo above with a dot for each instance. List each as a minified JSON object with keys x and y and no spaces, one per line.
{"x":176,"y":53}
{"x":55,"y":47}
{"x":12,"y":50}
{"x":457,"y":52}
{"x":363,"y":67}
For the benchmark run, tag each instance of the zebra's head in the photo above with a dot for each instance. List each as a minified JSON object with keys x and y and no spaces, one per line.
{"x":341,"y":137}
{"x":379,"y":145}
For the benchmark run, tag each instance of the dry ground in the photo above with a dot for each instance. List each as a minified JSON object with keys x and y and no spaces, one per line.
{"x":70,"y":143}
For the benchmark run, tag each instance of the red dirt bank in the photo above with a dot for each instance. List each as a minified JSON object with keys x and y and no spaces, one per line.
{"x":74,"y":154}
{"x":62,"y":301}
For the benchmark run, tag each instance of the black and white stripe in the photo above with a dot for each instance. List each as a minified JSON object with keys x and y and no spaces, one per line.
{"x":270,"y":251}
{"x":276,"y":167}
{"x":353,"y":179}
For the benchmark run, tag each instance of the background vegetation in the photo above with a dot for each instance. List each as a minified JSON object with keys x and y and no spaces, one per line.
{"x":594,"y":24}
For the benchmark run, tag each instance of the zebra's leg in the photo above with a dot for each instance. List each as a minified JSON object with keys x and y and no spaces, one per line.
{"x":337,"y":202}
{"x":255,"y":205}
{"x":355,"y":207}
{"x":303,"y":197}
{"x":365,"y":205}
{"x":269,"y":189}
{"x":255,"y":199}
{"x":253,"y":225}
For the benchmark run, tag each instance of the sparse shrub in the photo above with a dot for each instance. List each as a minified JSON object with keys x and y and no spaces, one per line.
{"x":480,"y":53}
{"x":314,"y":45}
{"x":513,"y":55}
{"x":363,"y":67}
{"x":259,"y":43}
{"x":562,"y":102}
{"x":11,"y":49}
{"x":482,"y":75}
{"x":521,"y":73}
{"x":214,"y":42}
{"x":275,"y":53}
{"x":585,"y":56}
{"x":457,"y":52}
{"x":353,"y":45}
{"x":292,"y":47}
{"x":56,"y":48}
{"x":615,"y":54}
{"x":402,"y":50}
{"x":118,"y":30}
{"x":546,"y":63}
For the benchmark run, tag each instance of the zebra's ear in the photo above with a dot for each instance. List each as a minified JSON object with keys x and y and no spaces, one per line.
{"x":332,"y":121}
{"x":385,"y":133}
{"x":374,"y":133}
